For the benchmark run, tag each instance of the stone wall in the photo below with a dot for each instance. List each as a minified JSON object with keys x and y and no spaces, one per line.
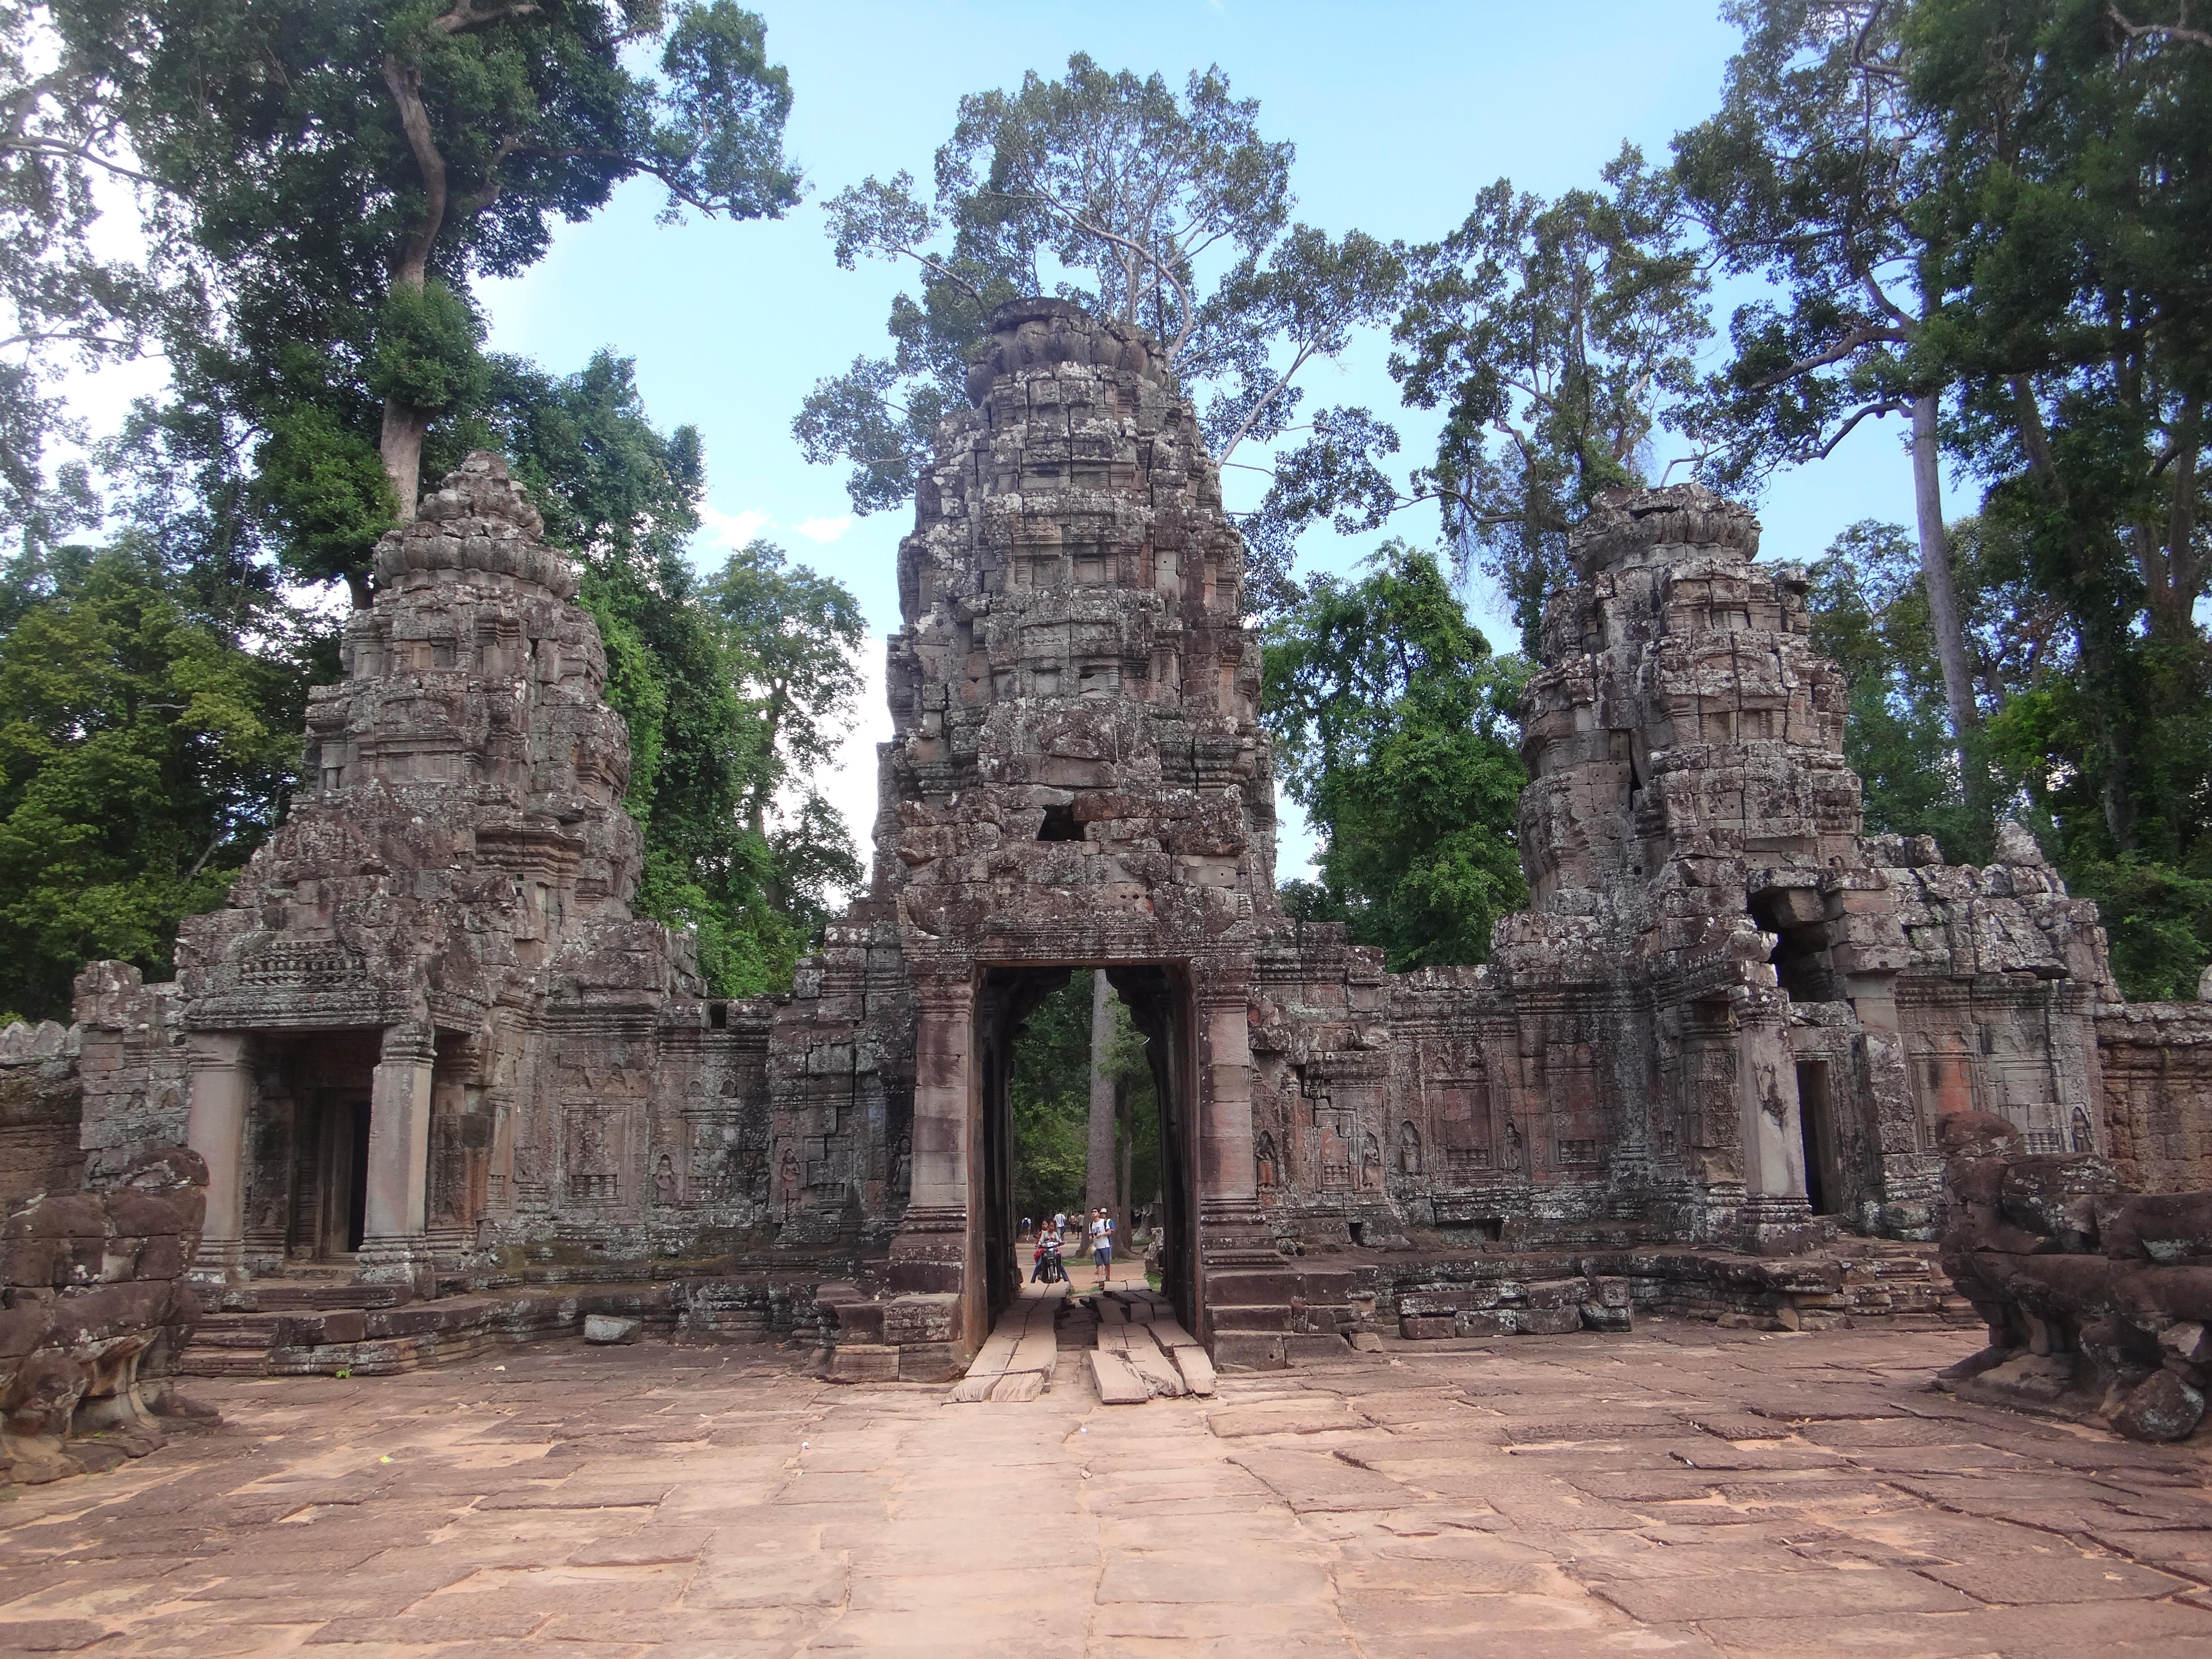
{"x":2156,"y":1058}
{"x":42,"y":1099}
{"x":94,"y":1309}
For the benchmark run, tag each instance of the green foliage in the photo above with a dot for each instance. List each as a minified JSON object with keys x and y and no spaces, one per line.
{"x":2069,"y":247}
{"x":342,"y":175}
{"x":1048,"y":1099}
{"x":1048,"y":1096}
{"x":733,"y":690}
{"x":143,"y":752}
{"x":1392,"y":723}
{"x":1807,"y":176}
{"x":794,"y":639}
{"x":1550,"y":332}
{"x":62,"y":303}
{"x":425,"y":354}
{"x":1168,"y":211}
{"x":326,"y":490}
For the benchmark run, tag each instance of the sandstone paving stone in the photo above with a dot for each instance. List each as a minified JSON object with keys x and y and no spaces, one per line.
{"x":424,"y":1629}
{"x":1308,"y":1481}
{"x":51,"y":1635}
{"x":2019,"y":1581}
{"x":1172,"y":1546}
{"x":2056,"y":1632}
{"x":1753,"y":1593}
{"x":649,"y":1547}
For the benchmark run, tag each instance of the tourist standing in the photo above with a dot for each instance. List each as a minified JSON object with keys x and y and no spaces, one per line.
{"x":1102,"y":1245}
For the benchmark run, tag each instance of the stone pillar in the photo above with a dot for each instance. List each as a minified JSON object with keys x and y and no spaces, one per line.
{"x":1775,"y":1216}
{"x":1226,"y":1173}
{"x":1245,"y":1287}
{"x":395,"y":1247}
{"x":222,"y":1089}
{"x":936,"y":1269}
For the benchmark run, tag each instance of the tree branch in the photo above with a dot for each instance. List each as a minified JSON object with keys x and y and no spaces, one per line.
{"x":1866,"y":334}
{"x":464,"y":16}
{"x":2176,"y":31}
{"x":1137,"y":250}
{"x":405,"y":81}
{"x":1273,"y":393}
{"x":1887,"y":406}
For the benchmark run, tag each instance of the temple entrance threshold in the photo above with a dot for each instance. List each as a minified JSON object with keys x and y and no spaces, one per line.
{"x":1158,"y":1000}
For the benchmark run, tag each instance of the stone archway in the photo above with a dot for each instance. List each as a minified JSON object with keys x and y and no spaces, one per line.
{"x":1159,"y":999}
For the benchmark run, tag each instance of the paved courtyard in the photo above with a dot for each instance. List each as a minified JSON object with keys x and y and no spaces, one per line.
{"x":1681,"y":1490}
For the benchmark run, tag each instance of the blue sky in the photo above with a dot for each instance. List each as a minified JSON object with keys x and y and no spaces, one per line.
{"x":1400,"y":113}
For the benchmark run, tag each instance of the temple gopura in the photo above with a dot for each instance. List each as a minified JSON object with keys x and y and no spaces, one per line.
{"x":427,"y":1039}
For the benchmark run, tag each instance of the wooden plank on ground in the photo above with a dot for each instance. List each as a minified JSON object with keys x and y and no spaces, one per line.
{"x":1156,"y":1368}
{"x":1197,"y":1369}
{"x":1039,"y":1351}
{"x":1016,"y":1386}
{"x":1117,"y":1382}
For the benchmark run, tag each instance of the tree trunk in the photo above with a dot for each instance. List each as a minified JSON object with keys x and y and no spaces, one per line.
{"x":1098,"y":1166}
{"x":1125,"y":1201}
{"x":1943,"y":615}
{"x":401,"y":449}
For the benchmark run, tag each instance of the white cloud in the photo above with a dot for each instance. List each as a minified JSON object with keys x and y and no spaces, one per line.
{"x":824,"y":531}
{"x":732,"y":529}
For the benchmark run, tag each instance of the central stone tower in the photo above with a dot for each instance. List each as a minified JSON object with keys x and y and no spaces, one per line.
{"x":1078,"y":780}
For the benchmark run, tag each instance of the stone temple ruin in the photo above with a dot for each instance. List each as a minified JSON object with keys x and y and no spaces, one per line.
{"x":427,"y":1048}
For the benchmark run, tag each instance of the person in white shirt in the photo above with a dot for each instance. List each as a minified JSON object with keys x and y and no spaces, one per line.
{"x":1101,"y":1244}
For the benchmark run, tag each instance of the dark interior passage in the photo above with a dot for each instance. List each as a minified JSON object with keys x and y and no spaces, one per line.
{"x":1816,"y":1124}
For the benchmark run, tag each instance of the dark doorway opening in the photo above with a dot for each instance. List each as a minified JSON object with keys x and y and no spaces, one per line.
{"x":1032,"y":1017}
{"x":1824,"y":1182}
{"x":330,"y":1203}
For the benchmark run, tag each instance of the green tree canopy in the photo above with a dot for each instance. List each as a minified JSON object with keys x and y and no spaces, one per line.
{"x":1168,"y":211}
{"x":2069,"y":250}
{"x":339,"y":175}
{"x":1552,"y":334}
{"x":62,"y":303}
{"x":143,"y":753}
{"x":1392,"y":729}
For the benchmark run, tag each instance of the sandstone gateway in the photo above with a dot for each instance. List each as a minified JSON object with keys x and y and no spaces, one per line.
{"x":427,"y":1046}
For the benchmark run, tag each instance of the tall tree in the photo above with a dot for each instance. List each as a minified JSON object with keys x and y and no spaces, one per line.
{"x":735,"y":688}
{"x":144,"y":752}
{"x":796,"y":638}
{"x":61,"y":300}
{"x":1392,"y":728}
{"x":1168,"y":211}
{"x":2070,"y":250}
{"x":1553,"y":333}
{"x":1809,"y":176}
{"x":1099,"y":1173}
{"x":342,"y":173}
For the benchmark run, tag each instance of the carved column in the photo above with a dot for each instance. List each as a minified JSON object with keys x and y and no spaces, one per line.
{"x":1232,"y":1230}
{"x":938,"y":1249}
{"x":394,"y":1244}
{"x":1776,"y":1215}
{"x":222,"y":1089}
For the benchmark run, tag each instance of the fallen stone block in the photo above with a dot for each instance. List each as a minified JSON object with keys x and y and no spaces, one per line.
{"x":606,"y":1329}
{"x":862,"y":1362}
{"x":1425,"y":1328}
